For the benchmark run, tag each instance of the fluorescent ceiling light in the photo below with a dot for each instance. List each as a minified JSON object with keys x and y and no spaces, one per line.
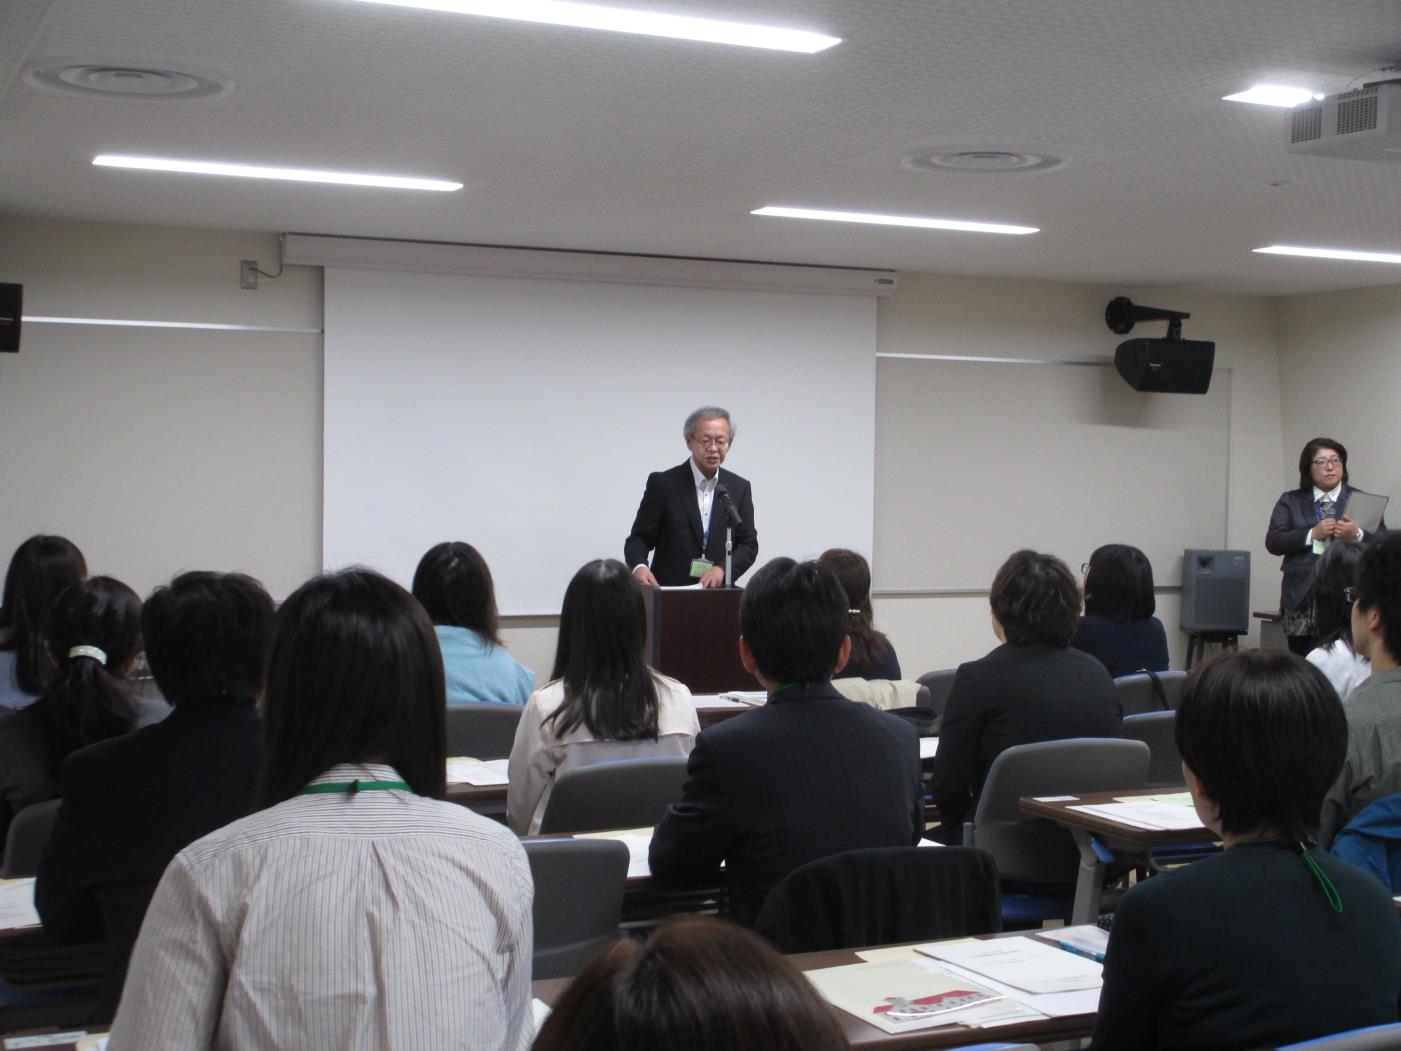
{"x":892,"y":220}
{"x":211,"y":326}
{"x":623,"y":20}
{"x":1332,"y":253}
{"x":1273,"y":95}
{"x":256,"y":171}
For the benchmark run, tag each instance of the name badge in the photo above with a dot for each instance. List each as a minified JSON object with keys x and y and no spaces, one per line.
{"x":699,"y":567}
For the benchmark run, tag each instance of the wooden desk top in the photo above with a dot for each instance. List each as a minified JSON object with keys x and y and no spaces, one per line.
{"x":1059,"y":811}
{"x":862,"y":1034}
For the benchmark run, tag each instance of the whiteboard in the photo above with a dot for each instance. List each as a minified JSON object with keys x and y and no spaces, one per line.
{"x":975,"y":460}
{"x":523,"y":416}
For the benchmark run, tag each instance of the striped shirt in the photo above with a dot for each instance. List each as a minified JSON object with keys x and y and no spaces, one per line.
{"x":376,"y":920}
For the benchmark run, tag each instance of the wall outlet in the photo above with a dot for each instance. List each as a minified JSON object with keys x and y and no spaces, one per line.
{"x":248,"y":273}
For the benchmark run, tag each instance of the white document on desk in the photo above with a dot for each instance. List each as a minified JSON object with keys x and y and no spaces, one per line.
{"x":464,"y":770}
{"x":1025,"y":965}
{"x":928,"y":746}
{"x":17,"y":904}
{"x":637,"y":840}
{"x":1147,"y":814}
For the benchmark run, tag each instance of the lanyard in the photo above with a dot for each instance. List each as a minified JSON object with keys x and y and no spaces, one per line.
{"x":353,"y":787}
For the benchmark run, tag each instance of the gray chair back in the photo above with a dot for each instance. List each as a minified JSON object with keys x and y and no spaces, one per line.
{"x":482,"y":731}
{"x":1136,"y":694}
{"x":578,"y":900}
{"x":627,"y":793}
{"x":28,"y":836}
{"x":1157,"y":731}
{"x":1033,"y":851}
{"x":938,"y":683}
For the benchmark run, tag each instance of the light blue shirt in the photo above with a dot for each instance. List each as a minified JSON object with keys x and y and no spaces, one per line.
{"x":478,"y":671}
{"x":12,"y":698}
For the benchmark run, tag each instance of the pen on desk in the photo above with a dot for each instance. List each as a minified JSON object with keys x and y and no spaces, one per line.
{"x":1089,"y":954}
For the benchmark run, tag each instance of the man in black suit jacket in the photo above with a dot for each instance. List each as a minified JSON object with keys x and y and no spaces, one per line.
{"x":131,"y":803}
{"x":683,"y":513}
{"x":808,"y":775}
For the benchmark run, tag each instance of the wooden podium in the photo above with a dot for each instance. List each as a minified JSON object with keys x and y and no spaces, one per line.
{"x":693,"y":635}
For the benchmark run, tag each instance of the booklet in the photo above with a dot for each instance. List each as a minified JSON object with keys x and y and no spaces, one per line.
{"x":1022,"y":963}
{"x":904,"y":995}
{"x":466,"y":770}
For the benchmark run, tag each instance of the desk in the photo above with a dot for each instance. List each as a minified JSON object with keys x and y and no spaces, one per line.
{"x":862,"y":1034}
{"x":1119,"y":837}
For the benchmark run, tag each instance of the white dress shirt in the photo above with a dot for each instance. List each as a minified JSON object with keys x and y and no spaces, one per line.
{"x":705,"y":498}
{"x":362,"y":922}
{"x":1318,"y":494}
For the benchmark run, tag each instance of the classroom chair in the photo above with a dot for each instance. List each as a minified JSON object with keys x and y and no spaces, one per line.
{"x":1036,"y":859}
{"x":1372,"y":1038}
{"x":880,"y":896}
{"x":482,"y":730}
{"x":625,"y":793}
{"x":578,"y":902}
{"x":1157,"y":731}
{"x":1139,"y":694}
{"x":28,"y":836}
{"x":939,"y":684}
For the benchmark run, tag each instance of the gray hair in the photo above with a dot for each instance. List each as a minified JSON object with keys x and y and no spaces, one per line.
{"x":706,"y":412}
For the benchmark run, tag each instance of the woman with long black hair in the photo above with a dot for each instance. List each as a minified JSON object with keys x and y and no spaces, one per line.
{"x":40,"y":568}
{"x":603,"y":702}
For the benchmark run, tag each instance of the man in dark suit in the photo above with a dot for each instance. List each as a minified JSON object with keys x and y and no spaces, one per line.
{"x":684,"y":512}
{"x":131,"y":803}
{"x":808,"y":775}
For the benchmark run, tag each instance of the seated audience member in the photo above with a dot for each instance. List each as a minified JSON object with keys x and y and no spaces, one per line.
{"x":131,"y":803}
{"x":41,"y":567}
{"x":697,"y":984}
{"x":872,"y":655}
{"x":1334,"y":656}
{"x":808,"y":775}
{"x":1372,"y":767}
{"x":94,"y":633}
{"x":1118,"y":627}
{"x":357,"y":909}
{"x":1033,"y":687}
{"x":454,"y":585}
{"x":602,"y":701}
{"x":1272,"y":941}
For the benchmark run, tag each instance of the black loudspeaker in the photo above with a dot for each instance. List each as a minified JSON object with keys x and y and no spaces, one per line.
{"x":1166,"y":366}
{"x":1216,"y":591}
{"x":11,"y":302}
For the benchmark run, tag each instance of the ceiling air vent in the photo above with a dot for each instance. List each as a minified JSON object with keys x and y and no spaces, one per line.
{"x":1362,"y":125}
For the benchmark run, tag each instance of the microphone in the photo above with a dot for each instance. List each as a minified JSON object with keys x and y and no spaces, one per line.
{"x":728,"y":501}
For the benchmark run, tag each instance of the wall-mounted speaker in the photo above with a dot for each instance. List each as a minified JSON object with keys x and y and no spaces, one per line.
{"x":11,"y":307}
{"x":1166,"y":366}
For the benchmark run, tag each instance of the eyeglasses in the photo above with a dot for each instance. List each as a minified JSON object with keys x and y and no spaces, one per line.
{"x":1329,"y":461}
{"x":718,"y":443}
{"x":1350,"y":595}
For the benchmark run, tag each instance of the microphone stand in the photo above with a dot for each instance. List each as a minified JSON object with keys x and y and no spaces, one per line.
{"x":729,"y":548}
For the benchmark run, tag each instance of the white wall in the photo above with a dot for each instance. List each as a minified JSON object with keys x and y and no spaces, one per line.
{"x":1340,"y":362}
{"x":935,"y":314}
{"x":162,"y":451}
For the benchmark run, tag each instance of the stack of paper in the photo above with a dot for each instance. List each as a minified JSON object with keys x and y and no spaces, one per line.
{"x":1146,"y":813}
{"x":1086,"y":940}
{"x":908,"y":994}
{"x":753,"y":698}
{"x":466,"y":770}
{"x":17,"y":904}
{"x":638,"y":842}
{"x":1043,"y":978}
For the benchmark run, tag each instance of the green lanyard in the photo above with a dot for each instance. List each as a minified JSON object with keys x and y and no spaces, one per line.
{"x":353,"y":787}
{"x":1301,"y":848}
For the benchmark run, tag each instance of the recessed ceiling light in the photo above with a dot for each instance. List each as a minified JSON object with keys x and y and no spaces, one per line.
{"x":1273,"y":95}
{"x":1332,"y":253}
{"x":624,"y":20}
{"x":877,"y":219}
{"x":256,"y":171}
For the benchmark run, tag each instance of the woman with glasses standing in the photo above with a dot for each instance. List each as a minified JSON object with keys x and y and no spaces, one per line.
{"x":1304,"y":522}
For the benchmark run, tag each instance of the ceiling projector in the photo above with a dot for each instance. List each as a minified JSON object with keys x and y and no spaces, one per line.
{"x":1361,"y":125}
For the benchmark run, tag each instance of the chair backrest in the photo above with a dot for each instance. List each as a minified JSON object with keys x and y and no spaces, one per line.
{"x":1034,"y":851}
{"x":625,"y":793}
{"x":939,"y":683}
{"x":1158,"y":731}
{"x":482,"y":730}
{"x":1137,"y":696}
{"x":28,"y":836}
{"x":578,"y":900}
{"x":1372,"y":1038}
{"x":883,"y":895}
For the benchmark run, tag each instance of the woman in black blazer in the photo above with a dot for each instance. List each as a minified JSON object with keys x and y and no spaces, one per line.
{"x":1303,"y":521}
